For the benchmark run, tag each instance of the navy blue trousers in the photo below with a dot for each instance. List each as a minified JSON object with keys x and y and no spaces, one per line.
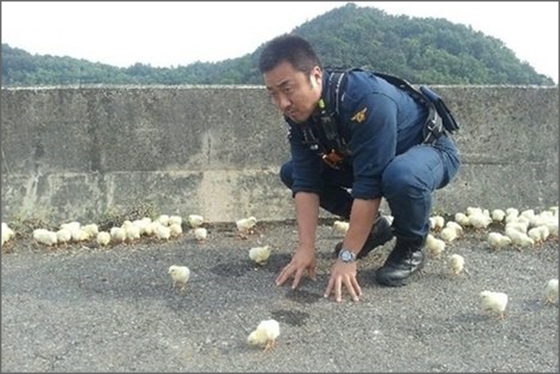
{"x":408,"y":183}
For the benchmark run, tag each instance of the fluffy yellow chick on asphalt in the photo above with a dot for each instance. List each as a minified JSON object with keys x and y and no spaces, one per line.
{"x":180,"y":276}
{"x":260,"y":254}
{"x":494,"y":302}
{"x":551,"y":291}
{"x":265,"y":334}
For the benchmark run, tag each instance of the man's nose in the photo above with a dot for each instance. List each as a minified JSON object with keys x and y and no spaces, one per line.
{"x":283,"y":103}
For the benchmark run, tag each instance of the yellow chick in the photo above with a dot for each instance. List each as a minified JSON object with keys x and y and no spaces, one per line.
{"x":512,"y":212}
{"x":495,"y":302}
{"x":519,"y":239}
{"x":473,"y":210}
{"x":434,"y":246}
{"x":72,"y":226}
{"x":497,"y":241}
{"x":265,"y":334}
{"x":552,"y":225}
{"x":456,"y":263}
{"x":118,"y":234}
{"x":437,"y":223}
{"x":163,"y":219}
{"x":511,"y":218}
{"x":529,"y":213}
{"x":151,"y":227}
{"x":92,"y":229}
{"x":539,"y":233}
{"x":162,"y":232}
{"x":541,"y":218}
{"x":175,"y":229}
{"x":245,"y":226}
{"x":448,"y":234}
{"x":498,"y":215}
{"x":454,"y":225}
{"x":132,"y":231}
{"x":180,"y":276}
{"x":7,"y":233}
{"x":200,"y":234}
{"x":143,"y":225}
{"x":195,"y":220}
{"x":260,"y":255}
{"x":81,"y":235}
{"x":175,"y":219}
{"x":44,"y":236}
{"x":462,"y":219}
{"x":517,"y":225}
{"x":103,"y":238}
{"x":479,"y":220}
{"x":551,"y":291}
{"x":341,"y":227}
{"x":64,"y":236}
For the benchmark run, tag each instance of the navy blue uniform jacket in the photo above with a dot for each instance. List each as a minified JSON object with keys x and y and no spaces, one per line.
{"x":378,"y":121}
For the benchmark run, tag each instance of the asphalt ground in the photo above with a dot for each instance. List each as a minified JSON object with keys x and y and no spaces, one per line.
{"x":83,"y":308}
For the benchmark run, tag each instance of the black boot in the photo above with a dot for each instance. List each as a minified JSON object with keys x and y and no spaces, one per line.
{"x":406,"y":259}
{"x":380,"y":234}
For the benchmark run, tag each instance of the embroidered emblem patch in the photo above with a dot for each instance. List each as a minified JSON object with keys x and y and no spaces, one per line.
{"x":360,"y":116}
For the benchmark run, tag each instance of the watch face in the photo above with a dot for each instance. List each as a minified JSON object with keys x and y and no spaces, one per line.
{"x":346,"y":256}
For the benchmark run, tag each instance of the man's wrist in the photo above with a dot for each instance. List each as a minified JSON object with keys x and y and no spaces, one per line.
{"x":347,"y":256}
{"x":306,"y":247}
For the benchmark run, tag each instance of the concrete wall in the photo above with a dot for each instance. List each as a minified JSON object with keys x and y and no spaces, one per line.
{"x":78,"y":152}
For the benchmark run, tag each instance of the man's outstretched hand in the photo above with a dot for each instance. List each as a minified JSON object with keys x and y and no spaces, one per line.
{"x":344,"y":274}
{"x":302,"y":260}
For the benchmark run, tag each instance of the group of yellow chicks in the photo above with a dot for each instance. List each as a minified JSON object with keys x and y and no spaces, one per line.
{"x":268,"y":330}
{"x":521,"y":230}
{"x":164,"y":227}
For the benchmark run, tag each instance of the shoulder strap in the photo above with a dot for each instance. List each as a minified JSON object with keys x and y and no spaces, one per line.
{"x":404,"y":85}
{"x":427,"y":97}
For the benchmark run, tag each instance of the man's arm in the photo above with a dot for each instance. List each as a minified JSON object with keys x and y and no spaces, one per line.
{"x":307,"y":213}
{"x":361,"y":221}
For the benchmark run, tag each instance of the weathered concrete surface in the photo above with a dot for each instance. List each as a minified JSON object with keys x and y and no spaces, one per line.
{"x":75,"y":153}
{"x":82,"y":309}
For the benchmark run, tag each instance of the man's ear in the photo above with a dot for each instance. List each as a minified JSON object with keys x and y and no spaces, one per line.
{"x":316,"y":76}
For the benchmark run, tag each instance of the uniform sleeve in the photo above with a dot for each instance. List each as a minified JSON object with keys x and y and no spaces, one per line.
{"x":373,"y":142}
{"x":306,"y":165}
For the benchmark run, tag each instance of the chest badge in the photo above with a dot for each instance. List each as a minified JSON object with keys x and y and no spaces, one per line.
{"x":360,"y":116}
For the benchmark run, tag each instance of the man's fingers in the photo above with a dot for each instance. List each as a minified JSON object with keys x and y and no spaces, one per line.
{"x":338,"y":290}
{"x":357,"y":286}
{"x":312,"y":274}
{"x":297,"y":277}
{"x":284,"y":274}
{"x":352,"y":290}
{"x":329,"y":288}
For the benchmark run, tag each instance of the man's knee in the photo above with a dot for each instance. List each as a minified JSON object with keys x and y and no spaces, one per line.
{"x":286,"y":174}
{"x":398,"y":179}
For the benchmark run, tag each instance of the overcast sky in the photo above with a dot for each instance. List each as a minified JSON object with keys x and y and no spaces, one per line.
{"x":167,"y":34}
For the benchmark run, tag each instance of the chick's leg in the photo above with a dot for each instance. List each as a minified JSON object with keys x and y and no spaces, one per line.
{"x":269,"y":346}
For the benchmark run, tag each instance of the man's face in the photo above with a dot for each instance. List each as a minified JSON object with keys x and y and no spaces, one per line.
{"x":295,"y":93}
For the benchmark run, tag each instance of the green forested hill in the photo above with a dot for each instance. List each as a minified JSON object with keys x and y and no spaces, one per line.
{"x":421,"y":50}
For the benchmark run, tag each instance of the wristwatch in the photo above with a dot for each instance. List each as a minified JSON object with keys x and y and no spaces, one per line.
{"x":346,"y":255}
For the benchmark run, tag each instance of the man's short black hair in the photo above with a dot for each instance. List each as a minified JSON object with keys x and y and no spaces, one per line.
{"x":291,"y":48}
